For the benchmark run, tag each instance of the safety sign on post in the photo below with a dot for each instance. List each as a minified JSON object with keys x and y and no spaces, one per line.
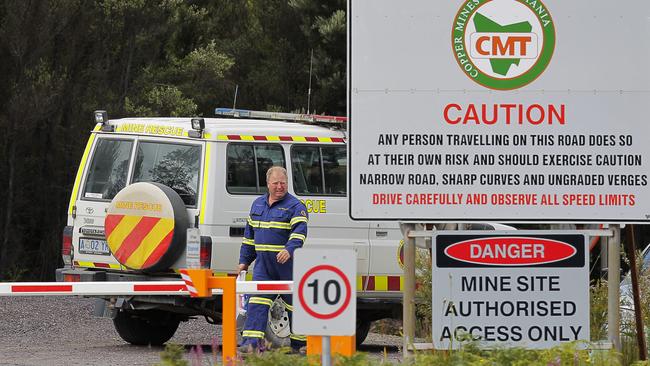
{"x":510,"y":288}
{"x":324,"y":292}
{"x":499,"y":110}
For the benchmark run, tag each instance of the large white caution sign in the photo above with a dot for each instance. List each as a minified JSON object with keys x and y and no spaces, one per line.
{"x":324,"y":292}
{"x":510,"y":289}
{"x":505,"y":110}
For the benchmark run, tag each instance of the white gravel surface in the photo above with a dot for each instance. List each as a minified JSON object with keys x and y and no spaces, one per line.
{"x":62,"y":331}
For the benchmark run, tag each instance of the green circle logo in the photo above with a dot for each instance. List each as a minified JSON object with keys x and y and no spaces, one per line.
{"x":503,"y":44}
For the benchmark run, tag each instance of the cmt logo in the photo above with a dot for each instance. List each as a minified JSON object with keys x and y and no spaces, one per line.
{"x":503,"y":45}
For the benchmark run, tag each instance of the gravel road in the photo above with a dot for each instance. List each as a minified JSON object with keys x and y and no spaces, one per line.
{"x":61,"y":331}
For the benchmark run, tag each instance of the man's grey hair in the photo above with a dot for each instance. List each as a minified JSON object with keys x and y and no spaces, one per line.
{"x":274,"y":169}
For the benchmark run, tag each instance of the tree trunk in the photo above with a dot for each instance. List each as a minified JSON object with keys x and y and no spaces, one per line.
{"x":127,"y":72}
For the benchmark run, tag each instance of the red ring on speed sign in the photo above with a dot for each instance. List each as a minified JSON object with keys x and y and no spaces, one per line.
{"x":325,"y":267}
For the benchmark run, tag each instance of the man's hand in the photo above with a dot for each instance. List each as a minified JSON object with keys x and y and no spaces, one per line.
{"x":283,"y":256}
{"x":242,"y":267}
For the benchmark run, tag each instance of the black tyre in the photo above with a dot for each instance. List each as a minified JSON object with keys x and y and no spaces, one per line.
{"x":149,"y":327}
{"x":363,"y":327}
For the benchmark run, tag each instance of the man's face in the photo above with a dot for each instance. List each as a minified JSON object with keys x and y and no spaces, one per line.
{"x":277,"y":185}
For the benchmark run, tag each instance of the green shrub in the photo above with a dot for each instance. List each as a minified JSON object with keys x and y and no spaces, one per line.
{"x":172,"y":355}
{"x":598,"y":311}
{"x":274,"y":358}
{"x":573,"y":354}
{"x":423,"y":295}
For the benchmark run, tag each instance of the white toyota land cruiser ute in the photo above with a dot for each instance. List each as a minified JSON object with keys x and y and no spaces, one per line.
{"x":211,"y":169}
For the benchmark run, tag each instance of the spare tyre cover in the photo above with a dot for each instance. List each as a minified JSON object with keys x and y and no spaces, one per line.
{"x":146,"y":226}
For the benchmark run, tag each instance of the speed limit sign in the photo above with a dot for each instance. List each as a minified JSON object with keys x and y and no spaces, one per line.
{"x":324,"y":292}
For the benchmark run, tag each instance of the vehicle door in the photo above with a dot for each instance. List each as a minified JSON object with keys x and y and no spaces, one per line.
{"x":244,"y":175}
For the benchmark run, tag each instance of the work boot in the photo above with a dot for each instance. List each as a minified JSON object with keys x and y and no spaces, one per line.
{"x":245,"y":349}
{"x":299,"y":350}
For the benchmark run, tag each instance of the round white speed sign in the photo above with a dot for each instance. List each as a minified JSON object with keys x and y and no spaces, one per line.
{"x":324,"y":292}
{"x":324,"y":297}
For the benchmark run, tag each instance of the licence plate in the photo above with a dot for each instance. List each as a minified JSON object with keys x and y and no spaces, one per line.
{"x":93,"y":246}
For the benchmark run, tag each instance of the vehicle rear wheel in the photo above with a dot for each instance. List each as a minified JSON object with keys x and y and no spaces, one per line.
{"x":151,"y":327}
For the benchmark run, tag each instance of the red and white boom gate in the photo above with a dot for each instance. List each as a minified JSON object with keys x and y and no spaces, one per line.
{"x":196,"y":283}
{"x":132,"y":288}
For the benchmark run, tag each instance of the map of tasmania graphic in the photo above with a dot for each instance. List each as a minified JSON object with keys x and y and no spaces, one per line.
{"x":484,"y":24}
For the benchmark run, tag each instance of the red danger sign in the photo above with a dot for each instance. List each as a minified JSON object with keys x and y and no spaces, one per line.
{"x":322,"y":296}
{"x":511,"y":251}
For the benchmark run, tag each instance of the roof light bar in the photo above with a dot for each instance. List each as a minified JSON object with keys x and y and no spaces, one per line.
{"x":292,"y":117}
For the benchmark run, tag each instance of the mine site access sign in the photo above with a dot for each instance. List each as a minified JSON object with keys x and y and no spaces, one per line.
{"x":504,"y":110}
{"x":510,"y":288}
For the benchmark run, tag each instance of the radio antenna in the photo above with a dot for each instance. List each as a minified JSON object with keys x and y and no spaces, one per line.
{"x":234,"y":102}
{"x":311,"y":63}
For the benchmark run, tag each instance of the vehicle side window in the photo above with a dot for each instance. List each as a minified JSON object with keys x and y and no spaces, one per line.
{"x":335,"y":165}
{"x":174,"y":165}
{"x":109,"y":168}
{"x":247,"y":165}
{"x":319,"y":170}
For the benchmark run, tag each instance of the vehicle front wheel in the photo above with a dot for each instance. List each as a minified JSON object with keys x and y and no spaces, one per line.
{"x":150,"y":327}
{"x":363,"y":327}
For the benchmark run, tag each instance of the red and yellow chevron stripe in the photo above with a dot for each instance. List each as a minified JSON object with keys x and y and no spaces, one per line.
{"x":380,"y":283}
{"x":96,"y":265}
{"x":138,"y":242}
{"x":280,"y":138}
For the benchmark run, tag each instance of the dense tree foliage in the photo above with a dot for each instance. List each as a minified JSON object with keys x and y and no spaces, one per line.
{"x":62,"y":59}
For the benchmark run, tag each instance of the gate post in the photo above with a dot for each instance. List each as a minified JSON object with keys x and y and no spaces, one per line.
{"x":613,"y":290}
{"x":200,"y":283}
{"x":408,"y":302}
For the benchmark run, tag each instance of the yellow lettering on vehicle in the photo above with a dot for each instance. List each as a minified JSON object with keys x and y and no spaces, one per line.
{"x":164,"y":130}
{"x":315,"y":206}
{"x":131,"y":127}
{"x":151,"y":129}
{"x":143,"y":206}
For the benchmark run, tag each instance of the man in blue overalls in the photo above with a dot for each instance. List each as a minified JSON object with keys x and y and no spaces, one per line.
{"x":277,"y":225}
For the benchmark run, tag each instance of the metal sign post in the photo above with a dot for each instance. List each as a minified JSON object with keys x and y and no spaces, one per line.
{"x":408,"y":307}
{"x":326,"y":356}
{"x":613,"y":289}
